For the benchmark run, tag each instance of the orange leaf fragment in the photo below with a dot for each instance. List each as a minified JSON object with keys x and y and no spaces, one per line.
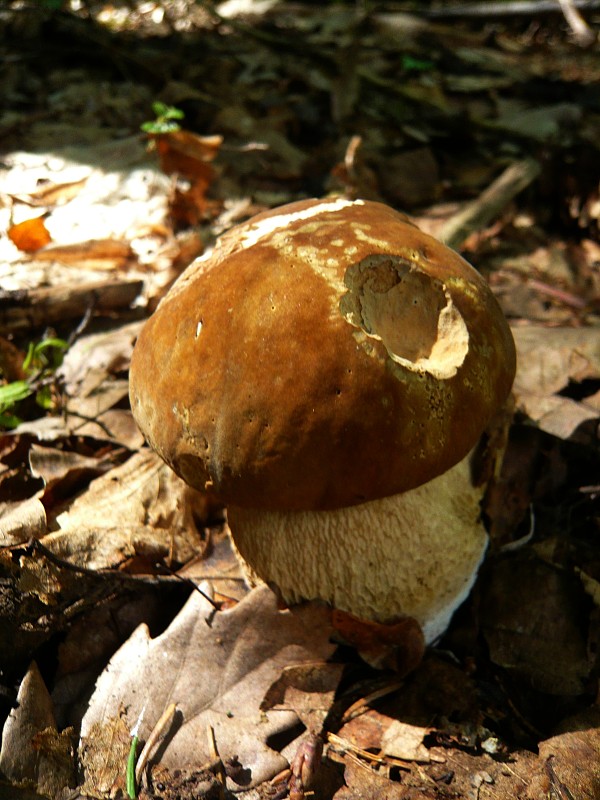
{"x":30,"y":235}
{"x":188,"y":154}
{"x":398,"y":645}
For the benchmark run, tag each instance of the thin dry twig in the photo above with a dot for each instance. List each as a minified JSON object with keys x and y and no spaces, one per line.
{"x":583,"y":35}
{"x":504,"y":8}
{"x":219,"y":769}
{"x":361,"y":704}
{"x":490,"y":203}
{"x":161,"y":725}
{"x":22,"y":310}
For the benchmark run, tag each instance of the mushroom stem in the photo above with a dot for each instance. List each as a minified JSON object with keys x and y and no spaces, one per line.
{"x":412,"y":554}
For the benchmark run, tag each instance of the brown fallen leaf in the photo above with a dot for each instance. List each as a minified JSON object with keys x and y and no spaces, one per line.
{"x":181,"y":151}
{"x":405,"y":741}
{"x":363,"y":782}
{"x":538,"y":629}
{"x":399,"y":646}
{"x":33,"y":751}
{"x":51,"y":193}
{"x":548,"y":358}
{"x":22,"y":520}
{"x":103,"y":254}
{"x":308,"y":689}
{"x":216,"y":667}
{"x":65,"y":468}
{"x":569,"y":762}
{"x":139,"y":509}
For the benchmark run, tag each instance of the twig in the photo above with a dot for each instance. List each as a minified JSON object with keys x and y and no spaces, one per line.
{"x":191,"y":584}
{"x":582,"y":34}
{"x":34,"y":308}
{"x":357,"y":707}
{"x":163,"y":722}
{"x":562,"y":296}
{"x":479,"y":213}
{"x":496,"y":8}
{"x":216,"y":758}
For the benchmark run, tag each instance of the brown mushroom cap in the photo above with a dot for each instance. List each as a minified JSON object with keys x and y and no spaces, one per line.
{"x":326,"y":354}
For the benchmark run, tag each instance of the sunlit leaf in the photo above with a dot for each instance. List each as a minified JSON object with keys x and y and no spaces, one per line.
{"x":30,"y":235}
{"x":13,"y":393}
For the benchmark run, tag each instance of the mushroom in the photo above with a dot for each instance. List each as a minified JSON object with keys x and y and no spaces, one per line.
{"x":327,"y":372}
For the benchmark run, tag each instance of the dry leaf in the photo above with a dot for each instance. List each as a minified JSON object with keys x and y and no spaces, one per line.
{"x":538,"y":629}
{"x":216,"y":667}
{"x":103,"y":757}
{"x":399,"y":645}
{"x":51,"y":194}
{"x":58,"y":466}
{"x":94,"y":254}
{"x":30,"y":235}
{"x":548,"y":358}
{"x":21,"y":521}
{"x":307,"y":689}
{"x":176,"y":147}
{"x":140,"y":508}
{"x":569,"y":762}
{"x":405,"y":741}
{"x":363,"y":782}
{"x":32,"y":749}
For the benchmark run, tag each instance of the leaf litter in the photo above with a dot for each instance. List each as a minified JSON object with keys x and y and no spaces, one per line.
{"x":100,"y":543}
{"x":236,"y":655}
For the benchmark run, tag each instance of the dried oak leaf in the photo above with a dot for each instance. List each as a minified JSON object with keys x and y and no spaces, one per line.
{"x":569,"y":763}
{"x":33,"y":752}
{"x":535,"y":621}
{"x":216,"y":667}
{"x":362,"y":782}
{"x":139,"y":509}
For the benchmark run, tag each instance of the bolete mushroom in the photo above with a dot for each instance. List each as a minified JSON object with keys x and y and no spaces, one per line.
{"x":327,"y":372}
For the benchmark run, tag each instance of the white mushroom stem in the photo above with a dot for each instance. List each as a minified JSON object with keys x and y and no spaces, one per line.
{"x":413,"y":554}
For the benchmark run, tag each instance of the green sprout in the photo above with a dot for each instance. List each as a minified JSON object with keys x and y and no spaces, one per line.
{"x":131,"y":783}
{"x":165,"y":119}
{"x":411,"y":64}
{"x":41,"y":362}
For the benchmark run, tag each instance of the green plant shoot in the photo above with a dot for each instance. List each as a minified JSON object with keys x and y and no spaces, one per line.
{"x":165,"y":119}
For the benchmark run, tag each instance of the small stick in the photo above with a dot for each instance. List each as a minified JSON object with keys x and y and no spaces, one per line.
{"x":582,"y":34}
{"x":33,"y":308}
{"x":216,"y":759}
{"x":506,"y":8}
{"x":477,"y":214}
{"x":158,"y":729}
{"x":568,"y":298}
{"x":357,"y":707}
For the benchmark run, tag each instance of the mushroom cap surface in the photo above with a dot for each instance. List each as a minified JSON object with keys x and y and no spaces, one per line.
{"x":327,"y":353}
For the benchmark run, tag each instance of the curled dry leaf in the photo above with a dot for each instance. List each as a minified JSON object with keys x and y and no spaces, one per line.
{"x":21,"y":521}
{"x":405,"y":741}
{"x":140,"y":508}
{"x":33,"y":751}
{"x":307,"y":689}
{"x":399,"y":646}
{"x":103,"y":254}
{"x":216,"y":667}
{"x":362,"y":781}
{"x":548,"y":358}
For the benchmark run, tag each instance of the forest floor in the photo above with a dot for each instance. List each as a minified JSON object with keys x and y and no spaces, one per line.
{"x":485,"y":130}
